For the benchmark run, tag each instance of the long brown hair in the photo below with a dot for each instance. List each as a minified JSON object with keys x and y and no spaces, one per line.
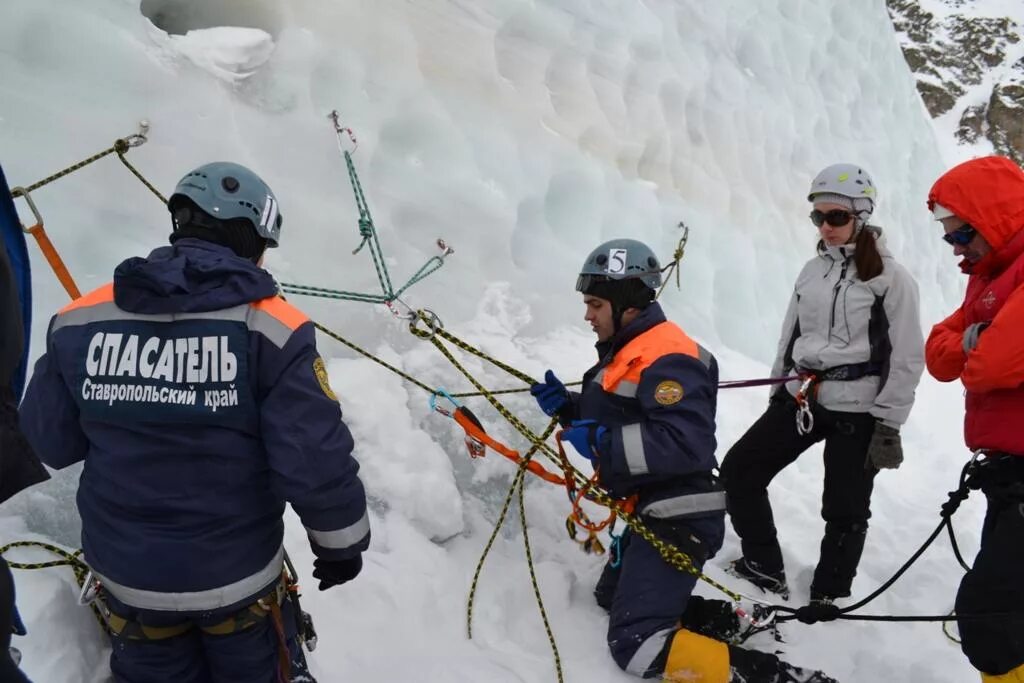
{"x":866,"y":255}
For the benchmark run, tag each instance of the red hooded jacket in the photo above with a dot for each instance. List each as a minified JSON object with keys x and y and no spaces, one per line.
{"x":988,"y":193}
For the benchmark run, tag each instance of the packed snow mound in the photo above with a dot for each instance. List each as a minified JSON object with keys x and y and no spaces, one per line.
{"x":178,"y":17}
{"x":229,"y":53}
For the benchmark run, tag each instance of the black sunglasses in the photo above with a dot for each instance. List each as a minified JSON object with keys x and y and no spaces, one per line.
{"x":837,"y":218}
{"x":962,"y":236}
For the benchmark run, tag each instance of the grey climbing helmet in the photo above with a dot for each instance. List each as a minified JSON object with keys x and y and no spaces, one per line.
{"x":226,"y":191}
{"x":620,"y":259}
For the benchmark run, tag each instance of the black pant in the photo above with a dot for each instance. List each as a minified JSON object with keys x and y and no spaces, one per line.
{"x":996,"y":582}
{"x":766,"y":449}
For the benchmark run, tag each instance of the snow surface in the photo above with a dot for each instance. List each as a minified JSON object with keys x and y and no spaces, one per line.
{"x":523,"y":133}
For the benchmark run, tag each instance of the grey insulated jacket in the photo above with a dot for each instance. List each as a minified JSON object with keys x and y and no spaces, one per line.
{"x":835,"y":319}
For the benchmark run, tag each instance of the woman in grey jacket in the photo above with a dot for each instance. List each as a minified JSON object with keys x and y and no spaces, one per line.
{"x":853,"y":334}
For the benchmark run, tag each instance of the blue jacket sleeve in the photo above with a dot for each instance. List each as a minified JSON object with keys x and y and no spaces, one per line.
{"x":49,"y":414}
{"x":676,"y":436}
{"x":309,"y":449}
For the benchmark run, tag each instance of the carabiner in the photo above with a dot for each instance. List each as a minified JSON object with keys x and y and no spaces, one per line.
{"x":90,"y":590}
{"x":804,"y":420}
{"x":428,"y":318}
{"x":446,"y":251}
{"x":765,"y":622}
{"x":804,"y":415}
{"x":444,"y":411}
{"x":140,"y":138}
{"x":335,"y":118}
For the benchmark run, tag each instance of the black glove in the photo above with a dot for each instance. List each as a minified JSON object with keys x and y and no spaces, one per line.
{"x":336,"y":572}
{"x":886,"y":449}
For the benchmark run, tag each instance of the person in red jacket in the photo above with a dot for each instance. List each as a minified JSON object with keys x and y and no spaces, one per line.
{"x":980,"y":204}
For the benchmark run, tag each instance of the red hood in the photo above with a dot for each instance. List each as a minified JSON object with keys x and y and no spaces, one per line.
{"x":988,"y":193}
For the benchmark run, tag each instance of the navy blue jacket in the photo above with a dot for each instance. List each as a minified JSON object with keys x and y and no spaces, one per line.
{"x":196,"y":397}
{"x":655,"y":390}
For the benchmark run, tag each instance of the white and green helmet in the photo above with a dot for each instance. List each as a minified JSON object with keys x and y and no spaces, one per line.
{"x":846,"y":180}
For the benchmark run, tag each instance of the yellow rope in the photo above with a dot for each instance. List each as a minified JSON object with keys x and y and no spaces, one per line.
{"x":68,"y":559}
{"x":533,"y":573}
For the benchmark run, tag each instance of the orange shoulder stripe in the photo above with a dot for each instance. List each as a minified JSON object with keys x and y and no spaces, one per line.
{"x":639,"y":354}
{"x":102,"y":295}
{"x":282,"y":311}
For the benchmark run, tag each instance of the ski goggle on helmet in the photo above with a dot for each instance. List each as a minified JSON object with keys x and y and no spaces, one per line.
{"x":620,"y":259}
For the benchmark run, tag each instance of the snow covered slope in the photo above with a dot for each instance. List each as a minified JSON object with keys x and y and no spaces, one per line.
{"x":523,"y":133}
{"x":968,"y":57}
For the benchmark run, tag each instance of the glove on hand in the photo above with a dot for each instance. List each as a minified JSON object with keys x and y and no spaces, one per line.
{"x":336,"y":572}
{"x":551,"y":395}
{"x":972,"y":334}
{"x":585,"y":435}
{"x":886,"y":449}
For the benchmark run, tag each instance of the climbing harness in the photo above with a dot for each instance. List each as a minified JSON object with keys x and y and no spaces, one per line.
{"x":807,"y":395}
{"x":266,"y":606}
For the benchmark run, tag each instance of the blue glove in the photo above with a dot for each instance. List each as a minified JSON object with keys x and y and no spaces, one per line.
{"x":585,"y":436}
{"x":551,"y":395}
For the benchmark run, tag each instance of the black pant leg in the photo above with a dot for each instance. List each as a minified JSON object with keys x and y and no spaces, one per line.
{"x":845,"y":502}
{"x":995,"y":584}
{"x":766,"y":449}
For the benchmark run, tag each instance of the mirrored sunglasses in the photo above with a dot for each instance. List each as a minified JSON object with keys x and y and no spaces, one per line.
{"x":962,"y":236}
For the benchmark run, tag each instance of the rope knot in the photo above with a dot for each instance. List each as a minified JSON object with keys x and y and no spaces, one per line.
{"x":953,"y":504}
{"x":817,"y":611}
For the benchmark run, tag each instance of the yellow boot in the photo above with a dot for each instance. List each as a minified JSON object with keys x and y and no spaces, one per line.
{"x":694,"y":658}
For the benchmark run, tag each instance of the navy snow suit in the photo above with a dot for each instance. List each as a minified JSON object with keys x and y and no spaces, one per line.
{"x":655,"y":390}
{"x":196,"y":397}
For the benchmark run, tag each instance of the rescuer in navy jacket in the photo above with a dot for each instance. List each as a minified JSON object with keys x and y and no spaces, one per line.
{"x":198,"y":401}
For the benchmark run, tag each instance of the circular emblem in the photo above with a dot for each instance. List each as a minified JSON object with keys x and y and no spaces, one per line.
{"x":320,"y":370}
{"x":668,"y":392}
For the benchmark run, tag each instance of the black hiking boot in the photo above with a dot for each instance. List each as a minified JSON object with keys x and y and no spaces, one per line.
{"x":754,"y":666}
{"x":770,"y":582}
{"x":712,"y":618}
{"x":718,"y":619}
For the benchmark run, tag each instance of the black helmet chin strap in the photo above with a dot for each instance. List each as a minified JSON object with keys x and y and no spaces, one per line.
{"x":617,"y":312}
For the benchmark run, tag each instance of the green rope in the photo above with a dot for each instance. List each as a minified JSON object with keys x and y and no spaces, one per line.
{"x":368,"y":233}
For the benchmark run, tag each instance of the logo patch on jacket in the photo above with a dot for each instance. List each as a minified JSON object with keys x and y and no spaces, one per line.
{"x":668,"y":392}
{"x":320,"y":370}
